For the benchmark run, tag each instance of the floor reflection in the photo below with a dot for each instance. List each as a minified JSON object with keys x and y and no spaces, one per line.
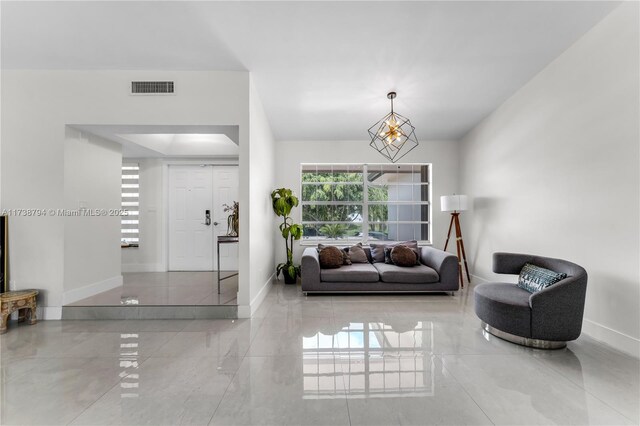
{"x":370,"y":359}
{"x":128,"y":359}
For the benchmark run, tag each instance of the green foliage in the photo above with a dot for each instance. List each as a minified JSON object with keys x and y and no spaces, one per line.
{"x":283,"y":201}
{"x":342,"y":187}
{"x":334,"y":230}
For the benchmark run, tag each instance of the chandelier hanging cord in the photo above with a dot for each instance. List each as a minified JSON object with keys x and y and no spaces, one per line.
{"x":392,"y":96}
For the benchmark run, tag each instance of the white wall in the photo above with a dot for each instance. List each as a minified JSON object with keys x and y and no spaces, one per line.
{"x":554,"y":171}
{"x":442,"y":154}
{"x":260,"y":261}
{"x":148,"y":257}
{"x":92,"y":178}
{"x":36,"y":106}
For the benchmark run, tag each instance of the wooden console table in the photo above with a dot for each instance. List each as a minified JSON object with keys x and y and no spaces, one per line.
{"x":224,"y":239}
{"x":23,"y":301}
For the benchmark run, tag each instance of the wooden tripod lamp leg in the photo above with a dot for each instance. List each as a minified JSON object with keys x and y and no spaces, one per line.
{"x":461,"y":241}
{"x":454,"y":218}
{"x":449,"y":232}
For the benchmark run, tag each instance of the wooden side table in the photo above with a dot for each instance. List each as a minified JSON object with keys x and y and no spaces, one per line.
{"x":23,"y":301}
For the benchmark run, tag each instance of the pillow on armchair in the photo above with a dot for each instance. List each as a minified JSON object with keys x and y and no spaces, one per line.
{"x":535,"y":278}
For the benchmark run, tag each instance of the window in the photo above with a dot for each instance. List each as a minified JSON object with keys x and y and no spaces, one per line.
{"x":366,"y":202}
{"x":130,"y":223}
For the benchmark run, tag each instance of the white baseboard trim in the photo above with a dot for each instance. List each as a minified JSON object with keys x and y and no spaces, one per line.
{"x":476,"y":277}
{"x":142,"y":267}
{"x":91,"y":289}
{"x":608,"y":336}
{"x":246,"y":311}
{"x":49,"y":313}
{"x":617,"y":340}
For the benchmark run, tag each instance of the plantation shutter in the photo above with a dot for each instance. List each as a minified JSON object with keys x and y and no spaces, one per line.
{"x":130,"y":223}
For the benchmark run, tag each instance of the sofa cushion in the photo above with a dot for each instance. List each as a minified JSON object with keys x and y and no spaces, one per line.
{"x":419,"y":274}
{"x":504,"y":306}
{"x":377,"y":250}
{"x":356,"y":273}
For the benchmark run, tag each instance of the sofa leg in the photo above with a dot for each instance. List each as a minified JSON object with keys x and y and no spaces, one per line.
{"x":524,"y":341}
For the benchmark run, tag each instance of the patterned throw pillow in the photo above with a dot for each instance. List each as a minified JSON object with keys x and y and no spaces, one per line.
{"x":534,"y":278}
{"x":332,"y":257}
{"x":403,"y":256}
{"x":389,"y":249}
{"x":357,"y":254}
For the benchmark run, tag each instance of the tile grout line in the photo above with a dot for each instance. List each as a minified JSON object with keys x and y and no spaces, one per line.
{"x":103,"y":394}
{"x":242,"y":360}
{"x":464,"y":389}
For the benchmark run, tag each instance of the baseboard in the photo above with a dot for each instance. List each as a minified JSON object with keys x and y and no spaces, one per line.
{"x":142,"y":267}
{"x":246,"y":311}
{"x":91,"y":289}
{"x":615,"y":339}
{"x":476,"y":277}
{"x":49,"y":313}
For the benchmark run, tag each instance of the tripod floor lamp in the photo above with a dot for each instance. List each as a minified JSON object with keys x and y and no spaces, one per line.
{"x":456,"y":204}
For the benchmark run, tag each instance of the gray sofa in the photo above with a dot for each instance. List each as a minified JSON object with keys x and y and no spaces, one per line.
{"x":546,"y":319}
{"x":438,"y":271}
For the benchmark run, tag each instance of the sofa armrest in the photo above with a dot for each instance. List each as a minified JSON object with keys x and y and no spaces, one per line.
{"x":557,"y":311}
{"x":444,"y":263}
{"x":310,"y":270}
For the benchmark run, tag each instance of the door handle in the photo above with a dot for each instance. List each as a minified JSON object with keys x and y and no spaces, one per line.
{"x":207,"y":217}
{"x":215,"y":223}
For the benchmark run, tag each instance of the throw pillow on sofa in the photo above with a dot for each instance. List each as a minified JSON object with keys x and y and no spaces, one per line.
{"x":357,"y":254}
{"x":403,"y":256}
{"x":535,"y":278}
{"x":388,"y":259}
{"x":332,"y":257}
{"x":377,"y":250}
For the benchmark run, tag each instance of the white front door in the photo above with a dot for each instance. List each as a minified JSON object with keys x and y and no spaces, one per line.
{"x":191,"y":240}
{"x":225,"y":191}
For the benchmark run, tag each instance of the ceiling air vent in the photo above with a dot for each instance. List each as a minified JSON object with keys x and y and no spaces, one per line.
{"x":152,"y":87}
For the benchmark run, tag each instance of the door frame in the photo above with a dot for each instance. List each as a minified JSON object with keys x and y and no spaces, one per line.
{"x":210,"y":162}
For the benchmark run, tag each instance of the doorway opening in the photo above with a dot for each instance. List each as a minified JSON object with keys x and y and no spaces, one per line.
{"x":175,"y":182}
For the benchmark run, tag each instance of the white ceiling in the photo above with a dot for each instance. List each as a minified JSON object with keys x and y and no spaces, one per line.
{"x":322,"y":68}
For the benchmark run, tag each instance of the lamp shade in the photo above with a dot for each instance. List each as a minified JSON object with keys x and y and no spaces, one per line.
{"x":450,"y":203}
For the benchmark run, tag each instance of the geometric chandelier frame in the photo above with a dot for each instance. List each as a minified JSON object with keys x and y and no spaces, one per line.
{"x":393,"y":135}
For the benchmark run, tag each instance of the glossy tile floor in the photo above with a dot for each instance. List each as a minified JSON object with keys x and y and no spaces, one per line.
{"x":322,"y":360}
{"x":168,"y":288}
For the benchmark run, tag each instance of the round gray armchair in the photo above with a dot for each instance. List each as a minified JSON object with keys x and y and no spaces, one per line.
{"x":546,"y":319}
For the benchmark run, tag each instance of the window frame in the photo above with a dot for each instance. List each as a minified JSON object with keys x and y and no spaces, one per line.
{"x":366,"y":204}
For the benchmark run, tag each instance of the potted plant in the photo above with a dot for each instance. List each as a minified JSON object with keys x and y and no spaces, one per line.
{"x":283,"y":200}
{"x":233,"y":220}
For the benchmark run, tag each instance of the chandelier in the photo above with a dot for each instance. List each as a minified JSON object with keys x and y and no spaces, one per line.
{"x":393,"y":136}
